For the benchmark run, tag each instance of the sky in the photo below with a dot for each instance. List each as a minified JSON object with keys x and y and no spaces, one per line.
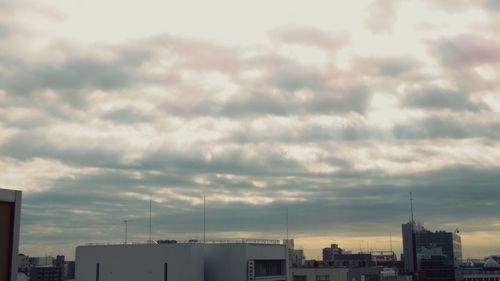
{"x":333,"y":110}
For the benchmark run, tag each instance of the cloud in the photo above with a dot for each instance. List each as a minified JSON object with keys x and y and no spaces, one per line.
{"x":438,"y":98}
{"x":310,"y":36}
{"x":382,"y":15}
{"x":466,"y":50}
{"x":386,"y":66}
{"x":435,"y":128}
{"x":126,"y":116}
{"x":492,"y":4}
{"x":70,"y":79}
{"x":26,"y":146}
{"x":94,"y":130}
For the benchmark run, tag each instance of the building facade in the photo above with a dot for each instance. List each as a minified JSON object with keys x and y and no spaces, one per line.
{"x":246,"y":262}
{"x":47,"y":273}
{"x":144,"y":262}
{"x":214,"y":261}
{"x":10,"y":216}
{"x":319,"y":274}
{"x":432,"y":255}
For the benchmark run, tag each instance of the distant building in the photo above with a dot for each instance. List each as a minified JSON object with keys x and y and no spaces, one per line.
{"x":383,"y":256}
{"x":10,"y":215}
{"x":23,"y":264}
{"x":371,"y":273}
{"x":46,"y":273}
{"x":70,"y":270}
{"x":51,"y":272}
{"x":330,"y":253}
{"x":353,"y":260}
{"x":319,"y":273}
{"x":431,"y":255}
{"x":295,"y":256}
{"x":488,"y":270}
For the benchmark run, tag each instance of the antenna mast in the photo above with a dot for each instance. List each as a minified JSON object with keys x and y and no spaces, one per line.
{"x":411,"y":207}
{"x":204,"y":218}
{"x":390,"y":240}
{"x":125,"y":221}
{"x":150,"y":207}
{"x":287,"y":225}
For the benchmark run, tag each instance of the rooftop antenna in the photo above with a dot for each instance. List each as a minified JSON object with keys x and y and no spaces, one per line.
{"x":150,"y":207}
{"x":204,"y":219}
{"x":287,"y":225}
{"x":125,"y":222}
{"x":411,"y":207}
{"x":390,"y":240}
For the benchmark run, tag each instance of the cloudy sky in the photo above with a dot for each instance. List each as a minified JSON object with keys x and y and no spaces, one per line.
{"x":335,"y":110}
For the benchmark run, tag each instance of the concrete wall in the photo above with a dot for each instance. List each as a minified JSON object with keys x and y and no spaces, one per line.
{"x":228,"y":262}
{"x":140,"y":262}
{"x":10,"y":217}
{"x":335,"y":274}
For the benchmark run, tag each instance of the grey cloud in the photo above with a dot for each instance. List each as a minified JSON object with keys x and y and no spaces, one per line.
{"x":308,"y":134}
{"x":396,"y":66}
{"x":126,"y":115}
{"x":231,"y":162}
{"x":328,"y":208}
{"x":466,"y":50}
{"x":434,"y":128}
{"x":26,"y":146}
{"x":104,"y":68}
{"x":330,"y":101}
{"x":297,"y":78}
{"x":70,"y":78}
{"x":492,"y":4}
{"x":437,"y":98}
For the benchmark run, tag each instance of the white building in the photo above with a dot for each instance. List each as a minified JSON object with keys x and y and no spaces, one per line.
{"x":140,"y":262}
{"x":242,"y":260}
{"x":10,"y":216}
{"x":246,"y":261}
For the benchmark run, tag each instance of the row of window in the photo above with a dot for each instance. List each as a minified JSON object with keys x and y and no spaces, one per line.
{"x":318,"y":278}
{"x":482,"y":279}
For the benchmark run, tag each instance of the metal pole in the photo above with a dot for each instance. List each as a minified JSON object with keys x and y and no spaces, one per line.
{"x":150,"y":207}
{"x":287,"y":225}
{"x":411,"y":206}
{"x":126,"y":230}
{"x":204,"y":219}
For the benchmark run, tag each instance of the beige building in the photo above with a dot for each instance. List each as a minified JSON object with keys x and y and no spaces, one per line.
{"x":319,"y":274}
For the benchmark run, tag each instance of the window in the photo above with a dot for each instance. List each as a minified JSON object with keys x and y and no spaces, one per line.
{"x":299,"y":278}
{"x":97,"y":272}
{"x":322,"y":278}
{"x":269,"y":268}
{"x":165,"y":272}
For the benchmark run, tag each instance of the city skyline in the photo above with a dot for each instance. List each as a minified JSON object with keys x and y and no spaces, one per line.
{"x":332,"y":110}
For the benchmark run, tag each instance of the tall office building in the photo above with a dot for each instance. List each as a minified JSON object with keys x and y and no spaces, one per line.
{"x":432,"y":255}
{"x":10,"y":215}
